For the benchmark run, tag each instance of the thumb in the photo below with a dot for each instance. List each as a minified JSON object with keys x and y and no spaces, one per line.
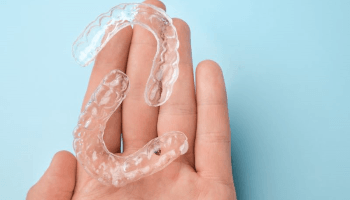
{"x":58,"y":181}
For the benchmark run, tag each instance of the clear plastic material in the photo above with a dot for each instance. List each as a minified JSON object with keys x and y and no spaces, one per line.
{"x":91,"y":151}
{"x":165,"y":69}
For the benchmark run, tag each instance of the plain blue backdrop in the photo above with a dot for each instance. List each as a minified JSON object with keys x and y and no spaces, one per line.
{"x":287,"y":71}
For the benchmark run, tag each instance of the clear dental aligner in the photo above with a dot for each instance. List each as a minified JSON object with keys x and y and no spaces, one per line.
{"x":164,"y":70}
{"x":91,"y":151}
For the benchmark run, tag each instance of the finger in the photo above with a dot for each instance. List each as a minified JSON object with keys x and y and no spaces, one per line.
{"x":113,"y":56}
{"x":58,"y":181}
{"x":139,"y":119}
{"x":179,"y":112}
{"x":213,"y":139}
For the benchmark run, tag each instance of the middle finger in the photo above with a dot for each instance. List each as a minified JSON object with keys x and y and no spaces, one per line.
{"x":179,"y":112}
{"x":139,"y":119}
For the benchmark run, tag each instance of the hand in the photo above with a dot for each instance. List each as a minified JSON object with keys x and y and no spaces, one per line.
{"x":204,"y":172}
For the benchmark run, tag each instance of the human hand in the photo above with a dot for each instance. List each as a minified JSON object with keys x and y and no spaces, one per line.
{"x":200,"y":112}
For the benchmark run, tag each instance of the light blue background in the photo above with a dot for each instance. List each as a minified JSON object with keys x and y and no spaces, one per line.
{"x":286,"y":66}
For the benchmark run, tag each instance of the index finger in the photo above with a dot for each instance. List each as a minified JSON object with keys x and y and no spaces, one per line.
{"x":113,"y":56}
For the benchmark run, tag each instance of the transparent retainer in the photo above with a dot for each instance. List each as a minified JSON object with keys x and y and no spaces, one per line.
{"x":91,"y":151}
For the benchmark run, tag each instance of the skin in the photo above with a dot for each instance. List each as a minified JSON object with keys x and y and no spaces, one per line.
{"x":199,"y":110}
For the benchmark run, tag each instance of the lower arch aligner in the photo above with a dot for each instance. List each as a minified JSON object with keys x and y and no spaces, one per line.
{"x":91,"y":151}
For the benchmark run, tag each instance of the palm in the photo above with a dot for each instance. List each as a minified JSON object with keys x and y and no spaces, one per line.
{"x":204,"y":172}
{"x":178,"y":181}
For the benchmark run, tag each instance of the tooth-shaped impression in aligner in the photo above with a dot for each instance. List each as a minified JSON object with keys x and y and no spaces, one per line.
{"x":165,"y":69}
{"x":91,"y":151}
